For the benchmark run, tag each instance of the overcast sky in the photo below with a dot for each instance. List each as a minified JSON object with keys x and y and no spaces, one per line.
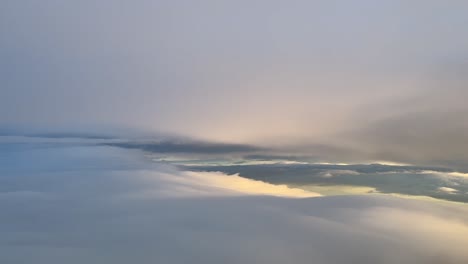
{"x":383,"y":78}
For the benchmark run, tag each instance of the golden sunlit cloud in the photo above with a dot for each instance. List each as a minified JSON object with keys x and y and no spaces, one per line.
{"x":199,"y":184}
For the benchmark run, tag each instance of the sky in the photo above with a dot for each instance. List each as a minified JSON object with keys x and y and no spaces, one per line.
{"x":367,"y":73}
{"x":240,"y":131}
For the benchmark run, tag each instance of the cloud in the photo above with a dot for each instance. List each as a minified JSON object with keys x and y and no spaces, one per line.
{"x":450,"y":174}
{"x":319,"y":177}
{"x":91,"y":204}
{"x":421,"y":136}
{"x":200,"y":184}
{"x":447,"y":190}
{"x":188,"y":146}
{"x":332,"y":173}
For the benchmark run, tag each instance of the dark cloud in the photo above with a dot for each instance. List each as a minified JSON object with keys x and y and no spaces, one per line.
{"x":408,"y":180}
{"x":189,"y":147}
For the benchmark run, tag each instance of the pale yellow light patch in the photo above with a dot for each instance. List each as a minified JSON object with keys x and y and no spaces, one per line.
{"x":447,"y":190}
{"x":389,"y":163}
{"x":450,"y":174}
{"x":237,"y":184}
{"x":331,"y":163}
{"x":422,"y":198}
{"x":458,"y":174}
{"x":202,"y":184}
{"x":338,"y":189}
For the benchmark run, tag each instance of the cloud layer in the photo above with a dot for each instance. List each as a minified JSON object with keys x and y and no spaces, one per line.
{"x":91,"y":204}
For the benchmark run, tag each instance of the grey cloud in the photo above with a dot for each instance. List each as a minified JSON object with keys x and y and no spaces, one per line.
{"x":428,"y":128}
{"x":407,"y":180}
{"x":425,"y":127}
{"x":430,"y":138}
{"x":189,"y":147}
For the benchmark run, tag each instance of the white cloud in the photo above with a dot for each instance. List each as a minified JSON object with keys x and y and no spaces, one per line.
{"x":333,"y":173}
{"x":447,"y":189}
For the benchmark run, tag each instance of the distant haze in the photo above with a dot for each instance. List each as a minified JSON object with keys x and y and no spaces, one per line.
{"x":379,"y":79}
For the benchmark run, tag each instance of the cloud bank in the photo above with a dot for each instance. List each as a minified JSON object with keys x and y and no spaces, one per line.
{"x":92,"y":204}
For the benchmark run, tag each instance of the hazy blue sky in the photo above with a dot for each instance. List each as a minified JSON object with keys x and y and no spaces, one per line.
{"x":386,"y":79}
